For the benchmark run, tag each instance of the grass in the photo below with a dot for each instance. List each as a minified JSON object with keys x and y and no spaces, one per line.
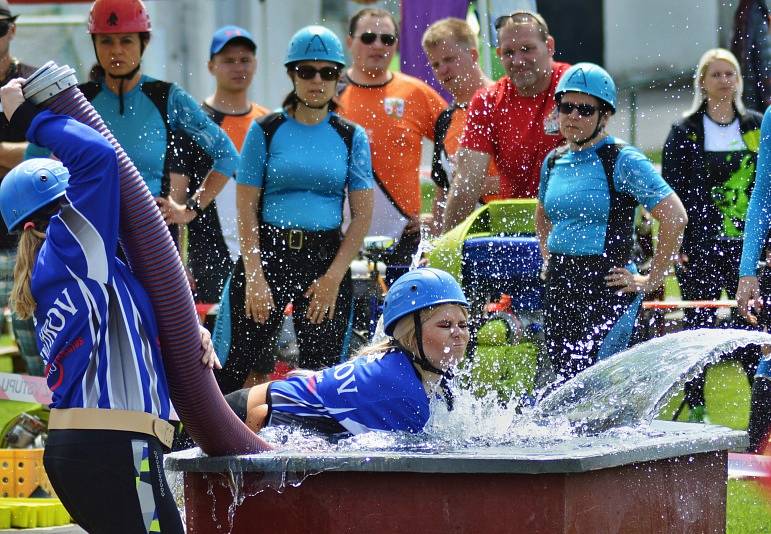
{"x":748,"y":508}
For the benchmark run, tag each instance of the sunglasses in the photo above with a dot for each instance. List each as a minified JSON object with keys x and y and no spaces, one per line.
{"x":523,"y":17}
{"x":306,"y":72}
{"x":584,"y":110}
{"x":5,"y":26}
{"x":388,"y":39}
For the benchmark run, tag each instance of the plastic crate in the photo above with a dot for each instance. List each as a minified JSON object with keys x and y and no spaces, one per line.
{"x":22,"y":472}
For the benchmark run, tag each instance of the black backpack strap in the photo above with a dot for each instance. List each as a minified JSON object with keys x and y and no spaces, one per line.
{"x":618,"y":237}
{"x":441,"y":126}
{"x":90,"y":90}
{"x":158,"y":93}
{"x":551,"y":159}
{"x":269,"y":124}
{"x":345,"y":129}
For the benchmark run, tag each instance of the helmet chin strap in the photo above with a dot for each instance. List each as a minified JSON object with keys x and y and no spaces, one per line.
{"x":597,"y":130}
{"x":426,"y":365}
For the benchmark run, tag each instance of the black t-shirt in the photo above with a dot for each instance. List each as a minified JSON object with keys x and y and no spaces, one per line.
{"x":17,"y":70}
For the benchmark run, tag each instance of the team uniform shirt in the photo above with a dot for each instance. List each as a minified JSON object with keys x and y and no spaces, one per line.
{"x":381,"y":392}
{"x":446,"y":145}
{"x":396,"y":115}
{"x":143,"y":134}
{"x":576,"y":199}
{"x":759,"y":210}
{"x":96,"y":328}
{"x":517,"y":131}
{"x":305,"y":175}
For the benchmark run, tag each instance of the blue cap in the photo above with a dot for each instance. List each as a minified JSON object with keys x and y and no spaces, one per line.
{"x":226,"y":34}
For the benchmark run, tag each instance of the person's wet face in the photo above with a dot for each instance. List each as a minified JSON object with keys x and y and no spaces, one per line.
{"x":453,"y":64}
{"x":315,"y":81}
{"x":720,"y":79}
{"x":578,"y":116}
{"x":118,"y":53}
{"x":445,"y":336}
{"x":234,"y":67}
{"x":526,"y":56}
{"x":374,"y":56}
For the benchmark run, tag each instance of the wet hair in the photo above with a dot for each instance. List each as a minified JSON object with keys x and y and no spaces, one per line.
{"x":291,"y":101}
{"x":524,"y":18}
{"x":373,"y":12}
{"x":448,"y":29}
{"x":699,"y":95}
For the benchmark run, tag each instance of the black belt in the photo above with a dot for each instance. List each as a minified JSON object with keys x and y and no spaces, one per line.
{"x":297,"y":238}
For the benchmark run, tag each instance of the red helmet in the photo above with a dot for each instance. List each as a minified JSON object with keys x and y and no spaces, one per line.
{"x":118,"y":16}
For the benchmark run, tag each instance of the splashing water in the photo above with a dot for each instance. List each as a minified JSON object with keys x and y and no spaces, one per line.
{"x":632,"y":387}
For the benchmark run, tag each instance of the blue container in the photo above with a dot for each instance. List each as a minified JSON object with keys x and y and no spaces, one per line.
{"x":510,"y":265}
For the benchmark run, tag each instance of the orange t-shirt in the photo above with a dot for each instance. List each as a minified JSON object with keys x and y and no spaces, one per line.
{"x":236,"y":126}
{"x":396,"y":116}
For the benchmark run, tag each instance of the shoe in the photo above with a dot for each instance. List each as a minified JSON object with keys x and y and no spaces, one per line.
{"x":697,"y":414}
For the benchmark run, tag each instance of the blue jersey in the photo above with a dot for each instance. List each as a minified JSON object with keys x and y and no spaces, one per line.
{"x":758,"y":219}
{"x":380,"y":392}
{"x":95,"y":327}
{"x":575,"y":195}
{"x":141,"y":130}
{"x":305,"y":176}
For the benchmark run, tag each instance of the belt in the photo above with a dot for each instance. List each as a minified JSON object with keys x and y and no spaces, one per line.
{"x":298,"y":239}
{"x":102,"y":419}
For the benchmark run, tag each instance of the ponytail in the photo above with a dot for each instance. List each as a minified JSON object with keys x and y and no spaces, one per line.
{"x":21,"y":300}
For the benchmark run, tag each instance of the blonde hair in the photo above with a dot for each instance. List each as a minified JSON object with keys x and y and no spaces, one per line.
{"x":449,"y":29}
{"x":21,"y":300}
{"x":706,"y":60}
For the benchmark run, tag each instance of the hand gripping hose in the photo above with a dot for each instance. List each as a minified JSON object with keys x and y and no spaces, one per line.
{"x":154,"y":260}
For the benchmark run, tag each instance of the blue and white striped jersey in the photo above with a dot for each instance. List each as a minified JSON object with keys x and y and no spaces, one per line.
{"x":96,"y":329}
{"x":380,"y":392}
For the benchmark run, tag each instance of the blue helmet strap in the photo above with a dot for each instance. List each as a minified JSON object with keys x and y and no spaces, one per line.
{"x":422,"y":361}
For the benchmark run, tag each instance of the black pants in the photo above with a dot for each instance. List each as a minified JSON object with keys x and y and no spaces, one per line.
{"x":100,"y":479}
{"x":579,"y":311}
{"x":289,"y":272}
{"x":710,"y":270}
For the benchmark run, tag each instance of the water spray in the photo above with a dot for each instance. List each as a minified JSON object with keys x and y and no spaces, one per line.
{"x":154,"y":260}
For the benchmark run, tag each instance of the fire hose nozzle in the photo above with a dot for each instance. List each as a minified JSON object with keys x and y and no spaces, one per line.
{"x":48,"y":81}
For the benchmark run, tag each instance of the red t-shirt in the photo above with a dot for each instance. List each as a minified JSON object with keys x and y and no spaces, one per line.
{"x":513,"y":129}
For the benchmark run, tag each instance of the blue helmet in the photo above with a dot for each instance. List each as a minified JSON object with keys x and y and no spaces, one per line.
{"x":418,"y":289}
{"x":315,"y":43}
{"x":589,"y":79}
{"x":31,"y":185}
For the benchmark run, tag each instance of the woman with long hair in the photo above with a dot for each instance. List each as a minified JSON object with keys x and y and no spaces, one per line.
{"x":709,"y":160}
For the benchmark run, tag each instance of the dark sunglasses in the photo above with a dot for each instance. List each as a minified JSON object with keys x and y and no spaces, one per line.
{"x":388,"y":39}
{"x":584,"y":110}
{"x":522,"y":17}
{"x":306,"y":72}
{"x":5,"y":26}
